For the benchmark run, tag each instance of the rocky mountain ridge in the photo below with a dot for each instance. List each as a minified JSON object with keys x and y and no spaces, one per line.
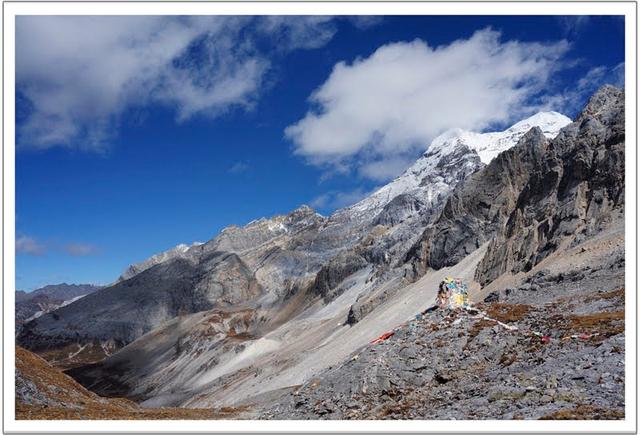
{"x":424,"y":181}
{"x":575,"y":190}
{"x":534,"y":196}
{"x":175,"y":252}
{"x":264,"y":263}
{"x":262,"y":308}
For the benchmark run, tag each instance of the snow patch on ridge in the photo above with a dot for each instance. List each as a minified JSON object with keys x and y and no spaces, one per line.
{"x":486,"y":145}
{"x":53,"y":308}
{"x":489,"y":145}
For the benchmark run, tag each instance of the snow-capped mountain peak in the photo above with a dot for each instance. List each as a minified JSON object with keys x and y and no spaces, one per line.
{"x":448,"y":161}
{"x":549,"y":122}
{"x":489,"y":145}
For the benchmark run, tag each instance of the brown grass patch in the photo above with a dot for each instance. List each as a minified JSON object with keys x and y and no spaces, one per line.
{"x":507,"y":312}
{"x":618,"y":293}
{"x":68,"y":357}
{"x":44,"y":377}
{"x":34,"y":412}
{"x":605,"y":324}
{"x":594,"y":320}
{"x":478,"y":326}
{"x":434,"y":327}
{"x":585,"y":412}
{"x":441,"y":343}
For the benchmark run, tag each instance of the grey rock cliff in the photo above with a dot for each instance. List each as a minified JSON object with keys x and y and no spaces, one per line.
{"x":573,"y":192}
{"x":478,"y":208}
{"x":533,"y":197}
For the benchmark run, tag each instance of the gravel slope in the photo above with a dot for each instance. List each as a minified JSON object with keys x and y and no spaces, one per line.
{"x":457,"y":365}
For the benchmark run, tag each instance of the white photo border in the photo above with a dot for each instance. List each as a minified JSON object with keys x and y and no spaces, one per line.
{"x":12,"y":9}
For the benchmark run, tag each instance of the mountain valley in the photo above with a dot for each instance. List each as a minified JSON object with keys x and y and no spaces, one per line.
{"x":275,"y":319}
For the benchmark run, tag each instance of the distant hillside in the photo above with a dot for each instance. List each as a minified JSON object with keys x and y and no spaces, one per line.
{"x":30,"y":305}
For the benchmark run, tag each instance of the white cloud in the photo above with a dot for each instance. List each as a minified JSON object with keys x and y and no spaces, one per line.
{"x":594,"y":75}
{"x":238,"y":168}
{"x":376,"y":112}
{"x":617,"y":75}
{"x":292,"y":32}
{"x":365,"y":21}
{"x":80,"y":74}
{"x":80,"y":249}
{"x":385,"y":169}
{"x":29,"y":245}
{"x":573,"y":24}
{"x":573,"y":99}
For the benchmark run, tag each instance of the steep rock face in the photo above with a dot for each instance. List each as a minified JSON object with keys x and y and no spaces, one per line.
{"x":534,"y":196}
{"x":576,"y":190}
{"x":225,"y":279}
{"x":478,"y":207}
{"x":448,"y":160}
{"x":399,"y":209}
{"x":452,"y":160}
{"x":280,"y":251}
{"x":331,"y":275}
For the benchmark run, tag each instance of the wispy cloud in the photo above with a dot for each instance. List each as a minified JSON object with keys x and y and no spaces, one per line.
{"x":77,"y":75}
{"x":573,"y":24}
{"x":29,"y":245}
{"x":299,"y":32}
{"x":80,"y":249}
{"x":239,"y":167}
{"x":385,"y":169}
{"x":374,"y":114}
{"x":365,"y":21}
{"x":572,"y":99}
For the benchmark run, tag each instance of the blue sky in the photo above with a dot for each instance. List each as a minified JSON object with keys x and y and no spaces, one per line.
{"x":136,"y":134}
